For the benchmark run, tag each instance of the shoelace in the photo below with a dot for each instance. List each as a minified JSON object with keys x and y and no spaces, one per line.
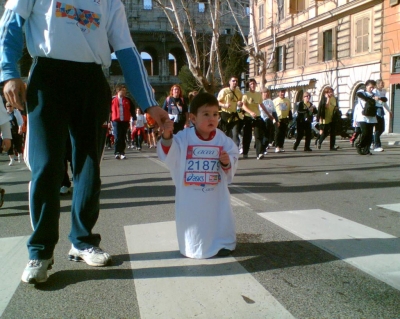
{"x":95,"y":250}
{"x":35,"y":263}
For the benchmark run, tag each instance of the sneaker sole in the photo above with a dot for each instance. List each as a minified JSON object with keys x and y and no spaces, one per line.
{"x":80,"y":259}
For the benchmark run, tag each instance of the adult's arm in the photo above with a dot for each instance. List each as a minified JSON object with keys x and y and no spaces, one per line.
{"x":11,"y":45}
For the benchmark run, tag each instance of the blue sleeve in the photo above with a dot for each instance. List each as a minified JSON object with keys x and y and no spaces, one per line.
{"x":11,"y":44}
{"x":136,"y":77}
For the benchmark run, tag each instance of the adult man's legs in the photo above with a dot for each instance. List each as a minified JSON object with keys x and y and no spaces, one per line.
{"x":120,"y":129}
{"x":45,"y":150}
{"x":87,"y":137}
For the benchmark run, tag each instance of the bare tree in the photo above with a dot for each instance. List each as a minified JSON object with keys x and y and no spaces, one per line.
{"x":187,"y":28}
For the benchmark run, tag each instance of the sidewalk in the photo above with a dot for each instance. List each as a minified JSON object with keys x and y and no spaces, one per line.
{"x":391,"y":138}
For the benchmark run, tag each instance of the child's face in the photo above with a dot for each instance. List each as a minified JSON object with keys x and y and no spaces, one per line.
{"x":206,"y":119}
{"x":369,"y":88}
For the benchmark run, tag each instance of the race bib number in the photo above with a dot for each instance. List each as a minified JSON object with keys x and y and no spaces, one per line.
{"x":202,"y":165}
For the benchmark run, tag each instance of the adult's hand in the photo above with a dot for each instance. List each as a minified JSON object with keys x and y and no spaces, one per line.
{"x":159,"y":115}
{"x":15,"y":93}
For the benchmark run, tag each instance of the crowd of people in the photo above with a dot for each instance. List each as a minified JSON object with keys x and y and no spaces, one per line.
{"x":244,"y":115}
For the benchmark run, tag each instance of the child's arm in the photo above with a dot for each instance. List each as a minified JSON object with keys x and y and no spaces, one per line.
{"x":166,"y":137}
{"x":225,"y":161}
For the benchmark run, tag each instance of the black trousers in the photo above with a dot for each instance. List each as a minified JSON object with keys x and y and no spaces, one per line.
{"x":328,"y":129}
{"x":231,"y":126}
{"x":367,"y":130}
{"x":258,"y":125}
{"x":120,"y":129}
{"x":280,"y":133}
{"x":303,"y":129}
{"x":379,"y":129}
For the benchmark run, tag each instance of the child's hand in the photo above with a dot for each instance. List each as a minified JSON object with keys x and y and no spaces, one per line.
{"x":168,"y":129}
{"x":224,"y":158}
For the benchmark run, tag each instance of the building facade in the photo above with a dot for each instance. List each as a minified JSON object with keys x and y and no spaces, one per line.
{"x":391,"y":57}
{"x":314,"y":44}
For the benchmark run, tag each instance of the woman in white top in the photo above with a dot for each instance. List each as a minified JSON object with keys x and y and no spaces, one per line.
{"x":365,"y":122}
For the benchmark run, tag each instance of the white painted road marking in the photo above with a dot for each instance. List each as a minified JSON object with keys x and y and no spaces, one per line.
{"x":14,"y":257}
{"x":368,"y":249}
{"x":394,"y":207}
{"x":169,"y":285}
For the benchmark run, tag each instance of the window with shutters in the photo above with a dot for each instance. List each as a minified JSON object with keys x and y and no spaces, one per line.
{"x":296,"y":6}
{"x":281,"y":9}
{"x":301,"y":50}
{"x":261,"y":17}
{"x":280,"y":58}
{"x":362,"y":34}
{"x":327,"y":45}
{"x":328,"y":49}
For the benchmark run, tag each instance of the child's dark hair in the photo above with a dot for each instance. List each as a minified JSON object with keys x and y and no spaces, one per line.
{"x":202,"y":99}
{"x":370,"y":82}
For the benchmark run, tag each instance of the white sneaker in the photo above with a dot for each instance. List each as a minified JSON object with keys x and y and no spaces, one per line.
{"x":241,"y":151}
{"x":64,"y":190}
{"x":123,"y":156}
{"x":11,"y":162}
{"x":277,"y":150}
{"x":36,"y":271}
{"x":378,"y":149}
{"x":260,"y":156}
{"x":93,"y":256}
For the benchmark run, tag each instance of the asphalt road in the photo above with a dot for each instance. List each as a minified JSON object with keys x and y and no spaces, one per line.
{"x":297,"y":261}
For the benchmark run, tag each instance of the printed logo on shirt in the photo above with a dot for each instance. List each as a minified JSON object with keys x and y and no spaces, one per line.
{"x":202,"y":165}
{"x":86,"y":20}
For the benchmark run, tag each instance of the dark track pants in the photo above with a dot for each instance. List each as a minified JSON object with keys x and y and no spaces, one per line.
{"x":64,"y":98}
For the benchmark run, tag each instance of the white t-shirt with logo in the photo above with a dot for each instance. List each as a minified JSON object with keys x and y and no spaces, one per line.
{"x":88,"y":25}
{"x":204,"y":217}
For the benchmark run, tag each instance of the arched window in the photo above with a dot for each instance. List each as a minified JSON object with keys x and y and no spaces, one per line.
{"x":173,"y":67}
{"x":148,"y":63}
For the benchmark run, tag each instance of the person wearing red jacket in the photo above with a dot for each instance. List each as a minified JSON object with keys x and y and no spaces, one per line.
{"x":122,"y":109}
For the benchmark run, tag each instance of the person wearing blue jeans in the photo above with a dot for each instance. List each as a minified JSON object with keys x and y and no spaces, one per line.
{"x":67,"y":94}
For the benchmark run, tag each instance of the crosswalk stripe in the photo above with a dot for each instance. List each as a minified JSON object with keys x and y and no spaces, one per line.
{"x":394,"y":207}
{"x":169,"y":285}
{"x":13,"y":256}
{"x":368,"y":249}
{"x":237,"y":202}
{"x":251,"y":194}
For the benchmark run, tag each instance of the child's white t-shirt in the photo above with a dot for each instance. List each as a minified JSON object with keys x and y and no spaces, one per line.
{"x":204,"y":217}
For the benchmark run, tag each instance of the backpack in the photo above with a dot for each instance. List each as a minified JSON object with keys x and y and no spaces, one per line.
{"x":370,"y":108}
